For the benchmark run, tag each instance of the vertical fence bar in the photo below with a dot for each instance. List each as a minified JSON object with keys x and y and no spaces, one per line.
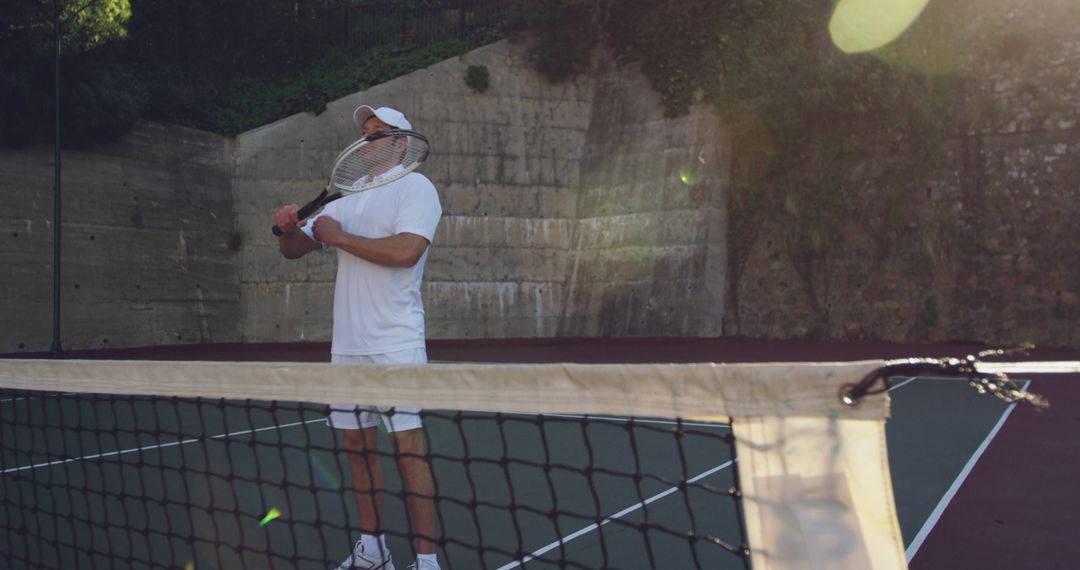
{"x":461,"y":20}
{"x":398,"y":22}
{"x":348,"y":12}
{"x":56,"y":350}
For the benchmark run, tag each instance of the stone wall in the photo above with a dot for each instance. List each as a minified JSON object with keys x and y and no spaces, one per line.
{"x":985,"y":248}
{"x":148,"y":243}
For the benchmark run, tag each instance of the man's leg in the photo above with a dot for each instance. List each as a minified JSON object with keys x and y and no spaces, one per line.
{"x":419,"y":486}
{"x":367,"y":477}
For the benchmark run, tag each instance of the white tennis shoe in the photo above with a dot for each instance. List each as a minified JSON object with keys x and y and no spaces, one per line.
{"x":424,"y":565}
{"x":360,"y":560}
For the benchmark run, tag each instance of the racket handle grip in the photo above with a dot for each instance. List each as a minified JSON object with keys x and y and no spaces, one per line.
{"x":308,"y":209}
{"x":302,"y":214}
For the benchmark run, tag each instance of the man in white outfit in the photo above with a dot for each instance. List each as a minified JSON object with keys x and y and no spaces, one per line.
{"x":381,"y":237}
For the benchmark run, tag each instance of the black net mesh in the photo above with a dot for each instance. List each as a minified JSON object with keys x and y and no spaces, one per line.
{"x":101,"y":481}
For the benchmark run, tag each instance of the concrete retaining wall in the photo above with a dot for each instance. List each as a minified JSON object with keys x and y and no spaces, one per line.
{"x":541,"y":234}
{"x":148,"y":245}
{"x":544,"y":233}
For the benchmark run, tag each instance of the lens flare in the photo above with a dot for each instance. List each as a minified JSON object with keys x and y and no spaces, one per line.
{"x":858,"y":26}
{"x":328,"y":477}
{"x":688,"y":176}
{"x":189,"y":566}
{"x":273,"y":514}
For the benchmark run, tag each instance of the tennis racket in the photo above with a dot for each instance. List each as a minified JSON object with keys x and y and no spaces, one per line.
{"x":375,"y":160}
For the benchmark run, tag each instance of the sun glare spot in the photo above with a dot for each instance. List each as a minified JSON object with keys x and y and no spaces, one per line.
{"x":859,"y":26}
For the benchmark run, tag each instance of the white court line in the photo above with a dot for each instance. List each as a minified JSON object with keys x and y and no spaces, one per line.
{"x":155,"y":446}
{"x":244,"y":432}
{"x":905,"y":382}
{"x":928,"y":526}
{"x":250,"y":431}
{"x":637,"y":506}
{"x":21,"y":398}
{"x":625,"y":420}
{"x":608,"y":519}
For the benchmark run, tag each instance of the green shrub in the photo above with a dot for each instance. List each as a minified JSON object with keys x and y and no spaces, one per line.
{"x":100,"y":98}
{"x":478,"y":78}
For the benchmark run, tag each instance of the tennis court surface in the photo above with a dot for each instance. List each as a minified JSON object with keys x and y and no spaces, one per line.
{"x":129,"y":480}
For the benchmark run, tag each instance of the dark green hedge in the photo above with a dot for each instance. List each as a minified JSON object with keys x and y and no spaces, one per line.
{"x":224,"y":66}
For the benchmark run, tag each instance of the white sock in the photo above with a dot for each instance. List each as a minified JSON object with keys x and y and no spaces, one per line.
{"x":375,"y":545}
{"x":427,"y":557}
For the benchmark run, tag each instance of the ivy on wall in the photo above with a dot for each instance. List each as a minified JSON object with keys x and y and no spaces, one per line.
{"x":805,"y":119}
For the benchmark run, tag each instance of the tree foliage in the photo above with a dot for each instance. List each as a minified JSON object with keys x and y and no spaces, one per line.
{"x":561,"y":33}
{"x":102,"y":97}
{"x":84,"y":24}
{"x":219,"y":65}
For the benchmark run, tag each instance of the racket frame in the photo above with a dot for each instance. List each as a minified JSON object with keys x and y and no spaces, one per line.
{"x":325,"y":197}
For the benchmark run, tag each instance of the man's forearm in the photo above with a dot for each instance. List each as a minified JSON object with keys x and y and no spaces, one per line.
{"x":296,"y":244}
{"x":402,"y":250}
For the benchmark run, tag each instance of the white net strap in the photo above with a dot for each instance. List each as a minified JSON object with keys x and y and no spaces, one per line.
{"x":692,"y":391}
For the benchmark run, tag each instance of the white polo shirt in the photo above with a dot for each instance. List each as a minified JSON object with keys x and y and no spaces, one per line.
{"x":377,"y":309}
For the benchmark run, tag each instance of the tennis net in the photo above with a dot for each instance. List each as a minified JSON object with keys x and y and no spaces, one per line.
{"x":110,"y":464}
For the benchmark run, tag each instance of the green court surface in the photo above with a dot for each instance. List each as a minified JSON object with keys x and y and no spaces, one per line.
{"x":191,"y":483}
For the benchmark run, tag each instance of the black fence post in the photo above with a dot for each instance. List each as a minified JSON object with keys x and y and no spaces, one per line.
{"x":461,"y":20}
{"x":345,"y":22}
{"x":56,"y":351}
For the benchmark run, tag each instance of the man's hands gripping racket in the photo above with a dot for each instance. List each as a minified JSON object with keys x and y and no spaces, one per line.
{"x":375,"y":160}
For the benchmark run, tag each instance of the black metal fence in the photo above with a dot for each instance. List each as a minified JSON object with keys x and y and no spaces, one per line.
{"x":360,"y":27}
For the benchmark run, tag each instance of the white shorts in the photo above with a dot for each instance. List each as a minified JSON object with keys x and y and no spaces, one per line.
{"x":352,"y":416}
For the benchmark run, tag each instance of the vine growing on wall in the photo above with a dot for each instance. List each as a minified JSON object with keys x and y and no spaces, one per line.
{"x":805,"y":120}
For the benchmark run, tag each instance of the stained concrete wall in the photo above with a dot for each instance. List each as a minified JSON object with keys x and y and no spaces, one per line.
{"x":564,"y":213}
{"x":506,"y":164}
{"x":563,"y":208}
{"x":148,"y":243}
{"x":648,"y":252}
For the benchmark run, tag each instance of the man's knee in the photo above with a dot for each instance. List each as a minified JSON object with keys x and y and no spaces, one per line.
{"x":360,"y":438}
{"x":409,"y":442}
{"x":409,"y":450}
{"x":361,"y":446}
{"x":353,"y":438}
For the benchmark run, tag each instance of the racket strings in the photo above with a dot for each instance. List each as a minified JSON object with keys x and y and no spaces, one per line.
{"x":373,"y":163}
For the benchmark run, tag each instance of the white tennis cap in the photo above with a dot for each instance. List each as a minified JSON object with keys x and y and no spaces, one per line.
{"x":392,"y":117}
